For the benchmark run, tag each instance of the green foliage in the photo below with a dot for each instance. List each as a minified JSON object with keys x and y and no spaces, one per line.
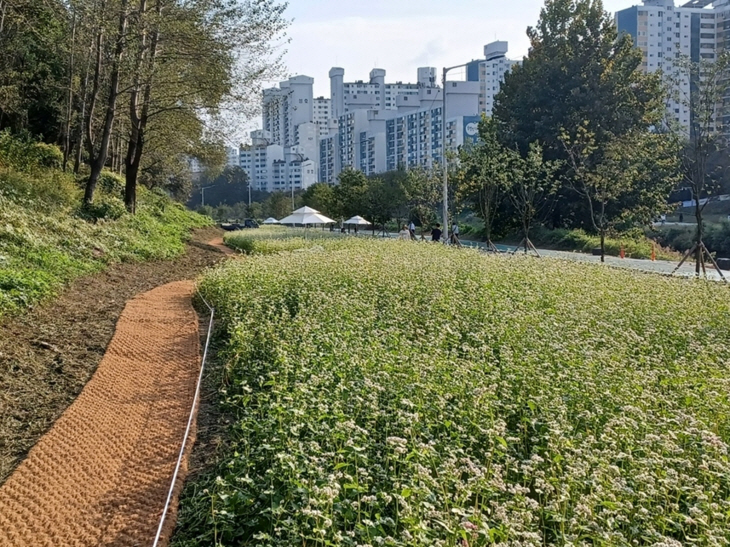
{"x":278,"y":205}
{"x":46,"y":241}
{"x":105,"y":207}
{"x":27,"y":155}
{"x":33,"y":47}
{"x":518,"y":402}
{"x":578,"y":71}
{"x":321,"y":196}
{"x":635,"y":245}
{"x":682,"y":238}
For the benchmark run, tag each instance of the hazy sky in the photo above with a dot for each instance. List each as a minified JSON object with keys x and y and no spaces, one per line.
{"x":401,"y":35}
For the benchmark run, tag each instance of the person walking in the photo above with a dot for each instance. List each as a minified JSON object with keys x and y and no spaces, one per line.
{"x":404,"y":234}
{"x":455,"y":235}
{"x":436,"y":233}
{"x":412,"y":230}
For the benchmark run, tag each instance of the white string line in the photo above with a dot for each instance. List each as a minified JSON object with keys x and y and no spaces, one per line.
{"x":187,"y":429}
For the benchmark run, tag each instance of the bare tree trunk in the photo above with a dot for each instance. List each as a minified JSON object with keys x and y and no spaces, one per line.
{"x":139,"y":117}
{"x":69,"y":106}
{"x":698,"y":242}
{"x":98,"y":160}
{"x":603,"y":245}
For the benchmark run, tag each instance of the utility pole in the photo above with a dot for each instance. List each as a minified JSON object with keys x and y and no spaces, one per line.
{"x":202,"y":195}
{"x":444,"y":161}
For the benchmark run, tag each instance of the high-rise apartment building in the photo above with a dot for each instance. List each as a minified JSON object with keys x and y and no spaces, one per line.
{"x":322,"y":115}
{"x":287,"y":106}
{"x":374,"y":94}
{"x":273,"y":168}
{"x":665,"y":33}
{"x":489,"y":72}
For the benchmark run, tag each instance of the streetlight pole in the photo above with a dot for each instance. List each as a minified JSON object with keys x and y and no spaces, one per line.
{"x":444,"y":161}
{"x":202,"y":194}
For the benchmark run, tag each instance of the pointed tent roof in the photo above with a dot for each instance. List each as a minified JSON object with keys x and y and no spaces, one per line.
{"x":305,"y":210}
{"x":358,"y":221}
{"x":306,"y":215}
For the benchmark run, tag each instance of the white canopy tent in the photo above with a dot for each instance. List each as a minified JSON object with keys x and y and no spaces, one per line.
{"x":271,"y":220}
{"x":306,"y":216}
{"x":357,"y":220}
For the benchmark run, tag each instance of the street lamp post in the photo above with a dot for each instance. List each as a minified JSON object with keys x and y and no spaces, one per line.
{"x":444,"y":161}
{"x":202,"y":194}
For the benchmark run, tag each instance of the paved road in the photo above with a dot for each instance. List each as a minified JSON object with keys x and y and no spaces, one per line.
{"x":659,"y":266}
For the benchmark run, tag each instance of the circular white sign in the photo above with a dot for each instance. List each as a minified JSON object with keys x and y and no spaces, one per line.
{"x":472,"y":129}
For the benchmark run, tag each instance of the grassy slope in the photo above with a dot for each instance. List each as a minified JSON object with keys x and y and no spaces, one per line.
{"x":378,"y":401}
{"x":45,"y":242}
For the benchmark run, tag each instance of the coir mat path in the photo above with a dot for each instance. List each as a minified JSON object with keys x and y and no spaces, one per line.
{"x":100,"y":476}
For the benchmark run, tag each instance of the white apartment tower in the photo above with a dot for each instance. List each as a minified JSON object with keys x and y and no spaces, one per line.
{"x":321,"y":115}
{"x":490,"y":72}
{"x":286,"y":107}
{"x":665,"y":32}
{"x":274,"y":168}
{"x":375,"y":94}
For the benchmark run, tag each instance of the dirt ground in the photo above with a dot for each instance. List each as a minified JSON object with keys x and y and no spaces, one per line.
{"x":48,"y":354}
{"x":100,"y":476}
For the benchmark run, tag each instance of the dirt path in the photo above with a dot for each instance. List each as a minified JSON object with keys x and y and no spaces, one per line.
{"x":47,"y":354}
{"x":218,"y":244}
{"x":100,"y":475}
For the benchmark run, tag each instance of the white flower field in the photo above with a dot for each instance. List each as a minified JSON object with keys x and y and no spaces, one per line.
{"x":395,"y":393}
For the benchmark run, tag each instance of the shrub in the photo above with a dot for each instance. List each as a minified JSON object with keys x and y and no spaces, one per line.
{"x":25,"y":154}
{"x":104,"y":207}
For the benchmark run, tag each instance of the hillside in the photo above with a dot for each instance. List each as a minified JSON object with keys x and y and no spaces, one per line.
{"x":47,"y":238}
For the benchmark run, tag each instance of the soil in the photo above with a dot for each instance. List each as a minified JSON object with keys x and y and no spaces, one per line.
{"x":101,"y":475}
{"x":49,"y":353}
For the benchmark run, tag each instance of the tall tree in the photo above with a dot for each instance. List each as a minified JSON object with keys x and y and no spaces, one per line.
{"x":98,"y":148}
{"x":34,"y":47}
{"x":320,"y":196}
{"x":350,"y":193}
{"x":423,"y":190}
{"x":195,"y":60}
{"x":578,"y":69}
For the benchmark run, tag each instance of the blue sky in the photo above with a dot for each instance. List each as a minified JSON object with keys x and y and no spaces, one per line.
{"x":401,"y":35}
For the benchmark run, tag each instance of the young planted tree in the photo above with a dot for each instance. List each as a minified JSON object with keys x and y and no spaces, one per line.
{"x":485,"y":176}
{"x":705,"y":101}
{"x":423,"y":191}
{"x":531,"y":182}
{"x":629,"y":177}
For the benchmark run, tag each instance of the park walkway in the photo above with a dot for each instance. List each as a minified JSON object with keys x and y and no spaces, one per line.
{"x":101,"y":474}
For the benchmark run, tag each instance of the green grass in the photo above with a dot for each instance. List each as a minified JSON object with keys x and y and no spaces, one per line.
{"x":635,"y":246}
{"x":389,"y":393}
{"x":275,"y":239}
{"x":46,"y":239}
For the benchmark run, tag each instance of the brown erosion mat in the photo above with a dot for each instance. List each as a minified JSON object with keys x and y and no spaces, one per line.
{"x":100,"y":476}
{"x":47,"y":354}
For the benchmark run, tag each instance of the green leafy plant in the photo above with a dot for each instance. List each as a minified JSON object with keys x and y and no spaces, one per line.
{"x":376,"y":401}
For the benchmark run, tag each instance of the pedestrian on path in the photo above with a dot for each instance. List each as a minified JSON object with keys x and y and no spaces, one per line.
{"x":412,"y":230}
{"x":455,"y":235}
{"x":404,"y":234}
{"x":436,"y":233}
